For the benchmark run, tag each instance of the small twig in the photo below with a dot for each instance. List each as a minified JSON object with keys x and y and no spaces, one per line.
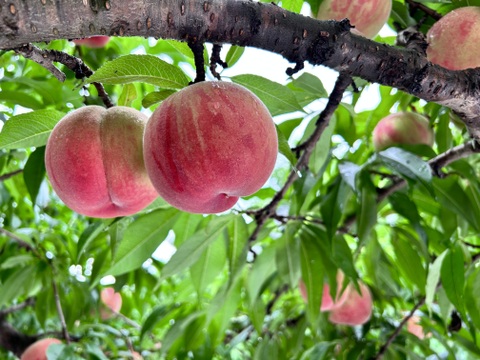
{"x":20,"y":242}
{"x":343,"y":81}
{"x":30,"y":52}
{"x":197,"y":49}
{"x":58,"y":305}
{"x":46,"y":58}
{"x":393,"y":336}
{"x":216,"y":59}
{"x":9,"y":175}
{"x":470,"y":244}
{"x":436,"y":164}
{"x":277,"y":295}
{"x":432,"y":13}
{"x":15,"y":308}
{"x":420,"y":303}
{"x":127,"y":320}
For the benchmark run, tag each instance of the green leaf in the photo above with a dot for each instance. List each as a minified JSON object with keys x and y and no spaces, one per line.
{"x":308,"y":88}
{"x":284,"y":147}
{"x":140,"y":68}
{"x":178,"y":330}
{"x":349,"y":172}
{"x":453,"y":277}
{"x":342,"y":255}
{"x":288,"y":256}
{"x":141,"y":239}
{"x":312,"y":276}
{"x":237,"y":246}
{"x":30,"y":129}
{"x":89,"y":235}
{"x":18,"y":260}
{"x":191,"y":250}
{"x":34,"y":172}
{"x":210,"y":264}
{"x":157,"y":314}
{"x":156,"y":97}
{"x":406,"y":164}
{"x":263,"y":269}
{"x":128,"y":95}
{"x":234,"y":54}
{"x":321,"y":152}
{"x":292,"y":5}
{"x":452,"y":196}
{"x":403,"y":205}
{"x":333,"y":205}
{"x":20,"y":98}
{"x":472,"y":296}
{"x":367,"y":209}
{"x":433,"y":278}
{"x":16,"y":284}
{"x":277,"y":98}
{"x":409,"y":262}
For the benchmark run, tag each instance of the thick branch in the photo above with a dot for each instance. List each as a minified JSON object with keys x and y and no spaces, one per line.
{"x":248,"y":23}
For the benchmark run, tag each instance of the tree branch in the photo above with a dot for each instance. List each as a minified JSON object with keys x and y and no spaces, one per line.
{"x":247,"y":23}
{"x":20,"y":241}
{"x":58,"y":305}
{"x":9,"y":175}
{"x":394,"y":335}
{"x":46,"y":58}
{"x":262,"y":215}
{"x":436,"y":164}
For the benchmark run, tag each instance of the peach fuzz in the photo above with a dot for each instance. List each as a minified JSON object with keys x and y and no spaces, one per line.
{"x":402,"y":128}
{"x":453,"y":40}
{"x":95,"y":163}
{"x":94,"y":42}
{"x":38,"y":350}
{"x":368,"y":16}
{"x":209,"y":144}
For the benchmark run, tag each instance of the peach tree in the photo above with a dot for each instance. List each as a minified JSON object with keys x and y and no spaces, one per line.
{"x":400,"y":223}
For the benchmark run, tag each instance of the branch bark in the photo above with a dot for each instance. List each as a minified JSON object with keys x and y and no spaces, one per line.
{"x":247,"y":23}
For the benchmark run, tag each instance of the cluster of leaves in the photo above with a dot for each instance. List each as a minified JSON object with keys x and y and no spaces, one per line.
{"x":221,"y":295}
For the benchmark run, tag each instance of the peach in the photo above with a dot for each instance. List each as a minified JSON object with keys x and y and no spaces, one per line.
{"x":356,"y":309}
{"x":95,"y":163}
{"x":453,"y":40}
{"x":414,"y":327}
{"x":112,"y":300}
{"x":38,"y":350}
{"x":402,"y":128}
{"x":209,"y":144}
{"x":368,"y":16}
{"x":327,"y":302}
{"x":93,"y":42}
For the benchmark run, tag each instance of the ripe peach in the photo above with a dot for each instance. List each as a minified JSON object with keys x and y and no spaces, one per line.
{"x":112,"y":299}
{"x":453,"y":40}
{"x":93,"y":42}
{"x":38,"y":350}
{"x":356,"y":309}
{"x":327,"y":302}
{"x":414,"y":327}
{"x":402,"y":128}
{"x":368,"y":16}
{"x":95,"y":163}
{"x":136,"y":356}
{"x":209,"y":144}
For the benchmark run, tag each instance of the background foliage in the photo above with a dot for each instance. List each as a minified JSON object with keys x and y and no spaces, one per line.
{"x":222,"y":295}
